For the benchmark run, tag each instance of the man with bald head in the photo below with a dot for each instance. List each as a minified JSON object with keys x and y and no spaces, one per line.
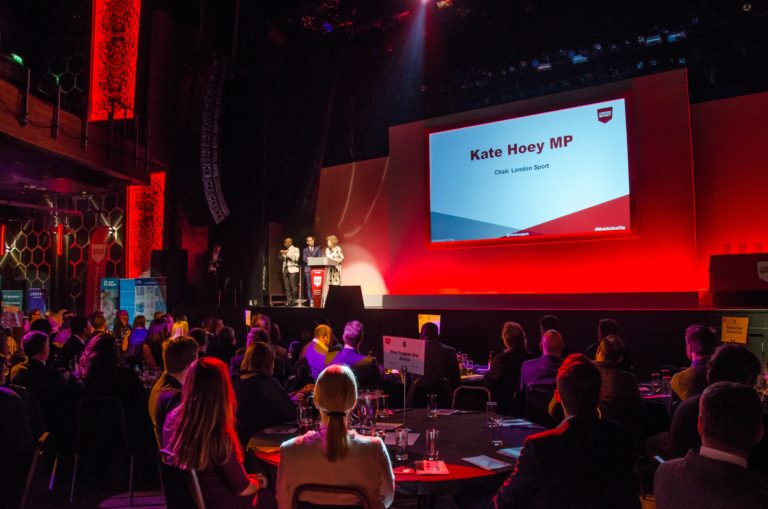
{"x":316,"y":352}
{"x":542,"y":371}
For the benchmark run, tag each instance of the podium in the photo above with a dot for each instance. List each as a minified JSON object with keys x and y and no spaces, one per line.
{"x":318,"y":272}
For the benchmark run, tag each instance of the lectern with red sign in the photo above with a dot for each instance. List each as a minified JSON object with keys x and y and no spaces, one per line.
{"x":319,"y":275}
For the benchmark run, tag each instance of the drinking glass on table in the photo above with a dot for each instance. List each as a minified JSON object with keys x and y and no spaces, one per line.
{"x":655,"y":383}
{"x":383,"y":412}
{"x":497,"y":431}
{"x":369,"y":408}
{"x":401,"y":444}
{"x":491,"y":411}
{"x":306,"y":418}
{"x":432,"y":406}
{"x":432,"y":451}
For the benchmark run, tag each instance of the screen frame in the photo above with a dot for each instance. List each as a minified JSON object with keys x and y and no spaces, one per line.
{"x":630,"y":232}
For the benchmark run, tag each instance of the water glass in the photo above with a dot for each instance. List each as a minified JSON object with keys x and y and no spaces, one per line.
{"x":368,"y":403}
{"x":432,"y":449}
{"x":497,"y":431}
{"x":401,"y":444}
{"x":306,"y":418}
{"x":655,"y":383}
{"x":491,"y":411}
{"x":432,"y":406}
{"x":383,"y":405}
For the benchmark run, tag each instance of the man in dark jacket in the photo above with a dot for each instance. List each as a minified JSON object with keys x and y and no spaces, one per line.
{"x":583,"y":463}
{"x":365,"y":368}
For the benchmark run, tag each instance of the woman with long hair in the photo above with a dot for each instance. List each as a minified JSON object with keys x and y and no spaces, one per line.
{"x":261,"y":400}
{"x":334,"y":252}
{"x":180,"y":329}
{"x":335,"y":455}
{"x":200,"y":434}
{"x":152,"y":348}
{"x":503,"y":379}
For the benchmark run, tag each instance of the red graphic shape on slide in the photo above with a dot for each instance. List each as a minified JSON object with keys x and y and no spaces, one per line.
{"x":611,"y":213}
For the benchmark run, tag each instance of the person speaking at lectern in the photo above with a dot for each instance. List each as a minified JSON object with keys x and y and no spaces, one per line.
{"x":334,"y":252}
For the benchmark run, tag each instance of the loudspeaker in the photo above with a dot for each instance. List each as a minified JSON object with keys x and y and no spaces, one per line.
{"x":344,"y":298}
{"x":199,"y":139}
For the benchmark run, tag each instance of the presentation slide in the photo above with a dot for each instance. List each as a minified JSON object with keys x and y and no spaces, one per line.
{"x":562,"y":172}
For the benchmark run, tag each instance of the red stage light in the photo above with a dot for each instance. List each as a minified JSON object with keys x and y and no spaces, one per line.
{"x":114,"y":50}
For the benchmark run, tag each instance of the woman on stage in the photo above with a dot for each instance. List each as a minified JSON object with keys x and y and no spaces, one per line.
{"x":334,"y":252}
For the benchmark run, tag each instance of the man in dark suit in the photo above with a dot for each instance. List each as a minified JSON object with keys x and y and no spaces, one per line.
{"x":730,"y":363}
{"x":730,"y":424}
{"x":310,"y":251}
{"x":178,"y":354}
{"x":700,"y":343}
{"x":540,"y":373}
{"x":503,"y":379}
{"x":365,"y":368}
{"x":584,"y":462}
{"x":439,"y":360}
{"x":74,"y":345}
{"x":45,"y":383}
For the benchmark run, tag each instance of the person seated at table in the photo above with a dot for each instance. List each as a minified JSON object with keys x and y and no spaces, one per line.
{"x":180,"y":328}
{"x":261,"y":400}
{"x":619,"y":393}
{"x":542,"y":371}
{"x":583,"y":463}
{"x":201,"y":338}
{"x":439,"y":359}
{"x":335,"y":455}
{"x":730,"y":363}
{"x":316,"y":354}
{"x":152,"y":348}
{"x":200,"y":434}
{"x":700,"y":343}
{"x":222,"y":345}
{"x":178,"y":355}
{"x":503,"y":379}
{"x":365,"y":367}
{"x":259,"y":335}
{"x":730,"y":423}
{"x":610,"y":327}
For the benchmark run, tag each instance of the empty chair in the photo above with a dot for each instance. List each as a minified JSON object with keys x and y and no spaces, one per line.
{"x":331,"y":490}
{"x":537,"y":398}
{"x":40,"y":449}
{"x":417,"y":395}
{"x":470,"y":397}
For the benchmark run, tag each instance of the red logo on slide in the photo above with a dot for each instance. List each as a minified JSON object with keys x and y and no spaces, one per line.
{"x":605,"y":115}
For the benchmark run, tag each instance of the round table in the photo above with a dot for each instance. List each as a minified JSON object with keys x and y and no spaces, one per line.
{"x":461,"y":435}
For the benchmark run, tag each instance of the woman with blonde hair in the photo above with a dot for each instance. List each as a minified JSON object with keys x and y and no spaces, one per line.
{"x":180,"y":329}
{"x":503,"y":379}
{"x":334,"y":252}
{"x":200,"y":434}
{"x":335,"y":455}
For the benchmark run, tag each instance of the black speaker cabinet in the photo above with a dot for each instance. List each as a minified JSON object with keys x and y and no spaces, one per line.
{"x":344,"y":298}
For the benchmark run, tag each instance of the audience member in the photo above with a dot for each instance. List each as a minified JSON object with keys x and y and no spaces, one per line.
{"x":335,"y":455}
{"x":620,"y":395}
{"x":222,"y":345}
{"x":439,"y":359}
{"x":365,"y":367}
{"x":316,"y":354}
{"x":700,"y":343}
{"x":202,"y":338}
{"x":74,"y":345}
{"x":44,"y":382}
{"x":99,"y":324}
{"x":261,"y":401}
{"x":730,"y":363}
{"x":584,"y":462}
{"x":503,"y":379}
{"x":542,"y":371}
{"x":257,"y":335}
{"x":180,"y":328}
{"x":178,"y":355}
{"x":730,"y":424}
{"x":152,"y":349}
{"x":200,"y":434}
{"x":137,"y":337}
{"x":610,"y":327}
{"x":16,"y":441}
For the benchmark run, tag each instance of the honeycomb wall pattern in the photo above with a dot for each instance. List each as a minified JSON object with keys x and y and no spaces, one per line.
{"x":31,"y":248}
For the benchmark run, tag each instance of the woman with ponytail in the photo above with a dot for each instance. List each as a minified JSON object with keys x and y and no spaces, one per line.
{"x":335,"y":455}
{"x":200,"y":434}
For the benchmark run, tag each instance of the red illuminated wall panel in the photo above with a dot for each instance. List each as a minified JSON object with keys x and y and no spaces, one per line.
{"x":144,"y":211}
{"x":114,"y":49}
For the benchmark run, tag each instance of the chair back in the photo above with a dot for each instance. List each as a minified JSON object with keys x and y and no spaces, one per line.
{"x":470,"y":397}
{"x":537,"y":398}
{"x":101,"y":422}
{"x":197,"y":492}
{"x":177,"y":486}
{"x":40,"y":449}
{"x":423,"y":386}
{"x":330,"y":490}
